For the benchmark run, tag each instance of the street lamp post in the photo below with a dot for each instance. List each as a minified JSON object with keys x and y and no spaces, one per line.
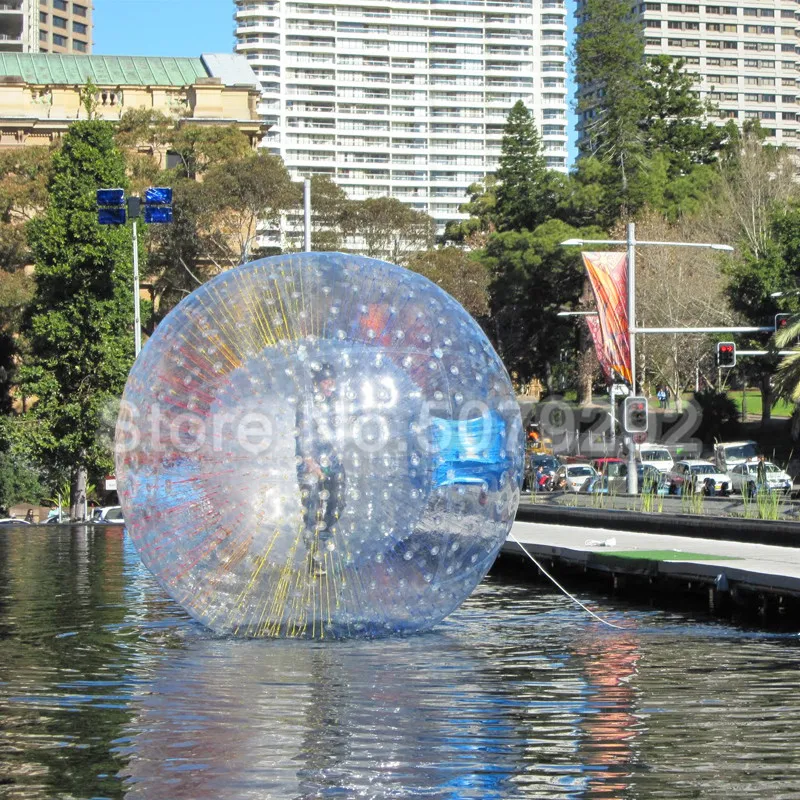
{"x":114,"y":209}
{"x":630,"y":247}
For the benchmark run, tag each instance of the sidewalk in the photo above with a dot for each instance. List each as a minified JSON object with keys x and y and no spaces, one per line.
{"x":669,"y":568}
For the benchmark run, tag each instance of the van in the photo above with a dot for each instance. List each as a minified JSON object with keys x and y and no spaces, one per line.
{"x":655,"y":455}
{"x":728,"y":454}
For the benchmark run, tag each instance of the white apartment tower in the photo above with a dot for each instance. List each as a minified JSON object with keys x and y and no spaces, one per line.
{"x":743,"y":53}
{"x":405,"y":98}
{"x":46,"y":26}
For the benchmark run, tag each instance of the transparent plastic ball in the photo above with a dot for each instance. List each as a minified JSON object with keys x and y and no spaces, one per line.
{"x":319,"y":445}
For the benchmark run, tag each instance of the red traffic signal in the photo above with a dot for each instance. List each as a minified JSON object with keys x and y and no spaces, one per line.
{"x":635,"y":415}
{"x":781,"y":321}
{"x":726,"y":354}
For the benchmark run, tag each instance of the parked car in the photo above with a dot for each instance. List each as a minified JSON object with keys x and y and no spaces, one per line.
{"x":549,"y":464}
{"x":744,"y":478}
{"x":695,"y":475}
{"x":610,"y":467}
{"x":571,"y":477}
{"x":108,"y":515}
{"x":599,"y":484}
{"x":655,"y":455}
{"x":728,"y":454}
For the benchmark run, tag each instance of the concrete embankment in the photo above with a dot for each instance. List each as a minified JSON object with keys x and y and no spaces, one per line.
{"x":726,"y":565}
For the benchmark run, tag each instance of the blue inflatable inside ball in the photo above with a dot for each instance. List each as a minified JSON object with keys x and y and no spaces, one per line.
{"x":319,"y":445}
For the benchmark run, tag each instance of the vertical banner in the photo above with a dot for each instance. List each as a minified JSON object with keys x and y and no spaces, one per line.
{"x":593,"y":324}
{"x":608,"y":273}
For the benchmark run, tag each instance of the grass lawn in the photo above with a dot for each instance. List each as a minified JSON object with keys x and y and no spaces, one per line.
{"x":780,"y":409}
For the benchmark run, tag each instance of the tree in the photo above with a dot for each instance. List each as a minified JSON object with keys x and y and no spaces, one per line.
{"x":240,"y":193}
{"x":390,"y":229}
{"x":330,"y":217}
{"x":460,"y":274}
{"x":677,"y":287}
{"x":522,"y":196}
{"x":80,"y":319}
{"x":757,"y":202}
{"x":609,"y":59}
{"x":475,"y":230}
{"x":533,"y":277}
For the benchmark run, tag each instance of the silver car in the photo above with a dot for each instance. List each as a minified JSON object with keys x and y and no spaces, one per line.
{"x":744,"y":478}
{"x":572,"y":477}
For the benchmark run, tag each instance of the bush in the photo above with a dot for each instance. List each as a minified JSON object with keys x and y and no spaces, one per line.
{"x":719,"y":419}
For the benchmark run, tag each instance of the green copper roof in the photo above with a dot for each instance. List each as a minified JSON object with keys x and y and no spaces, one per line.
{"x":54,"y":69}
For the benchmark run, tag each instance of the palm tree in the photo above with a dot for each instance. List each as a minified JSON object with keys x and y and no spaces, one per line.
{"x":787,"y":379}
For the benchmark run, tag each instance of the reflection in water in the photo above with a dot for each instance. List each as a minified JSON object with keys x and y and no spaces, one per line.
{"x":107,"y":689}
{"x":311,"y":720}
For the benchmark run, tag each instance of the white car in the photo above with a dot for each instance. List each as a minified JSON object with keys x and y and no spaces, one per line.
{"x":573,"y":476}
{"x":656,"y":456}
{"x":744,"y":478}
{"x":728,"y":454}
{"x":695,"y":475}
{"x":108,"y":515}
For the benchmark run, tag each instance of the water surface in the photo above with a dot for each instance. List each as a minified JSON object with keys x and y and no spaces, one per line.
{"x":107,"y":689}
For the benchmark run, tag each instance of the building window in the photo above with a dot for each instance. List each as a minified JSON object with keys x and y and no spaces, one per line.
{"x":79,"y":11}
{"x":42,"y":36}
{"x":60,"y":5}
{"x":59,"y":41}
{"x":59,"y":22}
{"x":79,"y":46}
{"x":79,"y":27}
{"x":42,"y":18}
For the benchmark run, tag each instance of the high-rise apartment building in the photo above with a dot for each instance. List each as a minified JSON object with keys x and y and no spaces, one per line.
{"x":65,"y":26}
{"x":45,"y":26}
{"x":405,"y":98}
{"x":744,"y":55}
{"x":18,"y":26}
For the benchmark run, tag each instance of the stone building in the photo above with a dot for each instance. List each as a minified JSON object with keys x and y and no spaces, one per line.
{"x":40,"y":94}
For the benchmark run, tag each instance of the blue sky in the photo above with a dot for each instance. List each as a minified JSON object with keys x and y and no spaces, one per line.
{"x":162,"y":27}
{"x":188,"y":28}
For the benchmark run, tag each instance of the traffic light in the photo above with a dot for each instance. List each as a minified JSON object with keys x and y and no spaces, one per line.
{"x":636,"y":414}
{"x":781,"y":321}
{"x":726,"y":354}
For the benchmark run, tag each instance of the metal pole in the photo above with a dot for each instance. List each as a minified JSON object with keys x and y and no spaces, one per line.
{"x":137,"y":317}
{"x":633,"y":483}
{"x":307,"y":214}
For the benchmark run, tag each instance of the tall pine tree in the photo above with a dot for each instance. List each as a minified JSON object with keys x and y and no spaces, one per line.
{"x":522,"y":195}
{"x":80,"y":323}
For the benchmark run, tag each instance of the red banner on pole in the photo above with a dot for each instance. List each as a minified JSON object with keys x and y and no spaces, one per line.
{"x":608,"y":273}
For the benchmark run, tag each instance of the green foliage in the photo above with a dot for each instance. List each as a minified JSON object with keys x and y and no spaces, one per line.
{"x":522,"y":195}
{"x":609,"y":59}
{"x":533,"y":276}
{"x":390,"y":229}
{"x":19,"y":482}
{"x":200,"y":147}
{"x":79,"y":324}
{"x":481,"y":209}
{"x":719,"y":416}
{"x":460,"y":274}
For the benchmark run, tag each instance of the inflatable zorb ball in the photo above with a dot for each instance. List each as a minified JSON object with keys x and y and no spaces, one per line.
{"x":319,"y":445}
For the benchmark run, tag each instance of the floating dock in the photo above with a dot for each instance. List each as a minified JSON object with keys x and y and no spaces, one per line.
{"x":747,"y":573}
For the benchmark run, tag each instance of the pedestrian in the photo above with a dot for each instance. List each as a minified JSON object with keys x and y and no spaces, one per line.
{"x":29,"y":515}
{"x":539,"y":479}
{"x":660,"y":396}
{"x":761,"y":472}
{"x":666,"y":397}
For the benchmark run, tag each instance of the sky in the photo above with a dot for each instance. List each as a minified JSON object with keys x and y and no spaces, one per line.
{"x":162,"y":27}
{"x":191,"y":27}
